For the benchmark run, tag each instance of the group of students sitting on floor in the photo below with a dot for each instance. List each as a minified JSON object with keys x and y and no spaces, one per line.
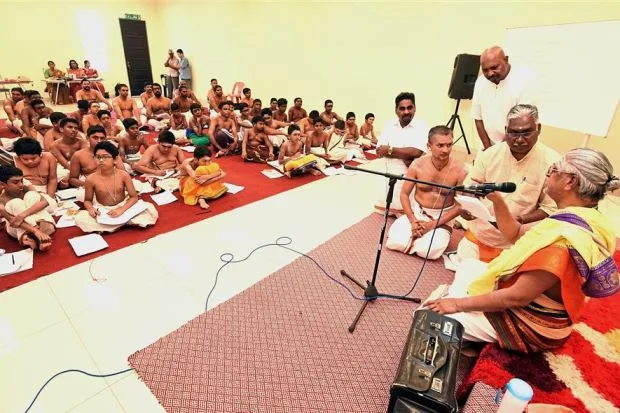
{"x":97,"y":151}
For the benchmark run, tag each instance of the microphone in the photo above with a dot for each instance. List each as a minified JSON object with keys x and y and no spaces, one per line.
{"x":488,"y":187}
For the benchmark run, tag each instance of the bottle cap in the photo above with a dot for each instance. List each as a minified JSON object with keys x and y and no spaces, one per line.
{"x":520,"y":389}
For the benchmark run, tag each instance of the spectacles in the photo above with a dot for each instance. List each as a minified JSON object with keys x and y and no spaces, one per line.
{"x":523,"y":134}
{"x":553,"y":169}
{"x":103,"y":157}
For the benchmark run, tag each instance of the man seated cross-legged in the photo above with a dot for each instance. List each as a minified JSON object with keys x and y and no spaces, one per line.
{"x":530,"y":297}
{"x":110,"y":189}
{"x":160,"y":160}
{"x":412,"y":232}
{"x":124,"y":105}
{"x":38,"y":167}
{"x":201,"y":179}
{"x":292,"y":156}
{"x":26,"y":211}
{"x":256,"y":145}
{"x":158,"y":109}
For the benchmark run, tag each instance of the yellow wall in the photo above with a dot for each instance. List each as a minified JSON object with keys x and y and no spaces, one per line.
{"x":358,"y":54}
{"x":34,"y":32}
{"x":361,"y":54}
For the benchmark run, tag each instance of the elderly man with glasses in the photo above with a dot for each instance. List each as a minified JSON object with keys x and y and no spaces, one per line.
{"x":521,"y":159}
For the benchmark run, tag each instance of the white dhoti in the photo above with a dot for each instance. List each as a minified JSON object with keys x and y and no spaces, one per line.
{"x":354,"y":151}
{"x":89,"y":224}
{"x":277,"y":140}
{"x":158,"y":124}
{"x":476,"y":325}
{"x":62,"y":173}
{"x":188,"y":115}
{"x":168,"y":184}
{"x":400,"y":237}
{"x":143,"y":119}
{"x":8,"y":143}
{"x":46,"y":122}
{"x":335,"y":155}
{"x":178,"y":133}
{"x":17,"y":206}
{"x":396,"y":167}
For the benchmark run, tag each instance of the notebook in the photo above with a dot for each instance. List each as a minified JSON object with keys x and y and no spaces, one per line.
{"x":87,"y":244}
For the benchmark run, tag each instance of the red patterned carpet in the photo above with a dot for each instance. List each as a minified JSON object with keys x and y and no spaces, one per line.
{"x":283,"y":346}
{"x":582,"y":375}
{"x":171,"y":217}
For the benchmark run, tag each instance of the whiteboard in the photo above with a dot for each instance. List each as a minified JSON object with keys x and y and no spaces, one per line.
{"x":578,"y":71}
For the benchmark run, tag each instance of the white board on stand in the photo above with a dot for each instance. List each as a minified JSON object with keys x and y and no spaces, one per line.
{"x":577,"y":66}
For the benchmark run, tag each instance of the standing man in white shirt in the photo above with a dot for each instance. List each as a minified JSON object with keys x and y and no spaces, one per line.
{"x":185,"y":73}
{"x":500,"y":87}
{"x":172,"y":82}
{"x":401,"y":141}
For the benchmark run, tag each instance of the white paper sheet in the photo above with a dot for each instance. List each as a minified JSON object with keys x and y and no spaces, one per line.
{"x":188,"y":148}
{"x":163,"y":198}
{"x":105,"y":219}
{"x":276,"y":164}
{"x":69,"y":193}
{"x":271,"y":173}
{"x":372,"y":151}
{"x":233,"y":189}
{"x":87,"y":244}
{"x":16,"y":262}
{"x":66,"y":221}
{"x":332,"y":171}
{"x":475,"y":207}
{"x":142,"y":187}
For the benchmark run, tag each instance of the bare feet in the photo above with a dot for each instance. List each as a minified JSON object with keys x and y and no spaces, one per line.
{"x":46,"y":227}
{"x":315,"y":172}
{"x":203,"y":204}
{"x":28,"y":240}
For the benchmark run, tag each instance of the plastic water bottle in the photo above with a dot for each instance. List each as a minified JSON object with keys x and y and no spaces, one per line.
{"x":516,"y":397}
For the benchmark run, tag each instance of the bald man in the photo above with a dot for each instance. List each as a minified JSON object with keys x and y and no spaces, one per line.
{"x":500,"y":87}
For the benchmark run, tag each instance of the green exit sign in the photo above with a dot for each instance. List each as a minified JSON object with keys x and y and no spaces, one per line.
{"x":133,"y":16}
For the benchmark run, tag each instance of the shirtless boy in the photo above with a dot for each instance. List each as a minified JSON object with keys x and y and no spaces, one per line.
{"x":54,"y":133}
{"x":367,"y":131}
{"x":83,"y":162}
{"x":64,"y":148}
{"x":26,"y":211}
{"x":14,"y":123}
{"x":292,"y":155}
{"x":130,"y":144}
{"x":223,"y":129}
{"x":328,"y":115}
{"x":36,"y":120}
{"x":162,"y":157}
{"x":412,"y":232}
{"x":280,"y":113}
{"x":39,"y":167}
{"x":110,"y":189}
{"x":111,"y":130}
{"x":247,"y":97}
{"x":296,"y":112}
{"x":91,"y":118}
{"x":256,"y":146}
{"x":199,"y":126}
{"x":178,"y":125}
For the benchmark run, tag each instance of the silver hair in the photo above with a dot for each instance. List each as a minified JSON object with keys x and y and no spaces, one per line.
{"x":595,"y":172}
{"x":521,"y":110}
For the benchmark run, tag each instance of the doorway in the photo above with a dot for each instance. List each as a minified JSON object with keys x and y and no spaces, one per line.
{"x":137,"y":57}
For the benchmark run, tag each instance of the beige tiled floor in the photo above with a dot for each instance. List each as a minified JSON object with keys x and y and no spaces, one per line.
{"x":68,"y":321}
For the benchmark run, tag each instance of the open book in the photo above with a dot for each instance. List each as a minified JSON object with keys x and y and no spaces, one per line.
{"x":105,"y":219}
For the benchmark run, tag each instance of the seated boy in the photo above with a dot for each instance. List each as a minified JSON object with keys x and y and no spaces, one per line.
{"x":256,"y":146}
{"x":201,"y":179}
{"x":343,"y":140}
{"x":27,"y":212}
{"x":130,"y":143}
{"x":318,"y":142}
{"x":53,"y":134}
{"x":160,"y":159}
{"x":198,"y":131}
{"x":38,"y":167}
{"x":292,"y":155}
{"x":110,"y":189}
{"x":178,"y":125}
{"x":367,"y":132}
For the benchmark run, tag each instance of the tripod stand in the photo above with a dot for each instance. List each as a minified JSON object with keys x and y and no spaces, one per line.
{"x":370,"y":289}
{"x":452,"y":123}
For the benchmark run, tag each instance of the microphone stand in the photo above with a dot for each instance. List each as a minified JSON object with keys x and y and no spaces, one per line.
{"x":370,"y":289}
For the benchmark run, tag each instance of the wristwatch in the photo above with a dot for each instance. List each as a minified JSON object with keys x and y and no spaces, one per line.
{"x":390,"y":150}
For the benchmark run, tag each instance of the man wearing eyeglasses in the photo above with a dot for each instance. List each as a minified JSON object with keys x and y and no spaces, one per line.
{"x":500,"y":87}
{"x":520,"y":159}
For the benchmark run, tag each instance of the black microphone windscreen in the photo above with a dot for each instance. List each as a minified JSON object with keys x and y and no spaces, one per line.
{"x":508,"y":187}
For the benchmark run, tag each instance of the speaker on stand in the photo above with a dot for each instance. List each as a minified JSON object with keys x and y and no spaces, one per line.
{"x":464,"y":75}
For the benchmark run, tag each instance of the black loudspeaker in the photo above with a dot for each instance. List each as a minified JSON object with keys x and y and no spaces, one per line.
{"x":464,"y":75}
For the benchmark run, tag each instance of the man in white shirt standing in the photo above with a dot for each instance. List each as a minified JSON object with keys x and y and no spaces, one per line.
{"x":173,"y":65}
{"x":401,"y":141}
{"x":500,"y":87}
